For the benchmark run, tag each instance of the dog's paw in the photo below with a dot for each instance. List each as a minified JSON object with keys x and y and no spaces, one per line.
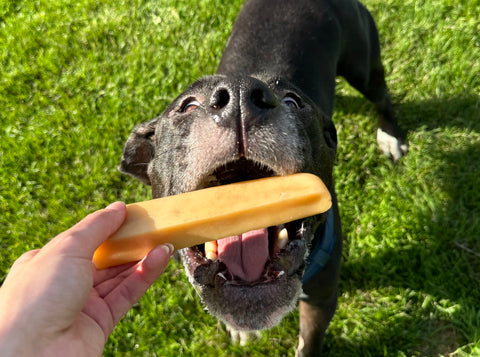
{"x":241,"y":337}
{"x":391,"y":146}
{"x":301,"y":344}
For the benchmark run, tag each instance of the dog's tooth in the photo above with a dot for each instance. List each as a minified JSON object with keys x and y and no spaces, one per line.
{"x":221,"y":276}
{"x":211,"y":250}
{"x":282,"y":238}
{"x":212,"y":256}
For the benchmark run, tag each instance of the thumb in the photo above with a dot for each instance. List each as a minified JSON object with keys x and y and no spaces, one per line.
{"x":84,"y":237}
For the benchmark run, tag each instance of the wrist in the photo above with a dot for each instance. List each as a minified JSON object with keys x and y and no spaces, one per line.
{"x":13,"y":342}
{"x":15,"y":333}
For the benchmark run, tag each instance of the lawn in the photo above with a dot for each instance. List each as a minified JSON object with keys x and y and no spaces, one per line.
{"x":76,"y":76}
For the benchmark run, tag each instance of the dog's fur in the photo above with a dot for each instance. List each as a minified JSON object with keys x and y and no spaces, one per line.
{"x":268,"y":112}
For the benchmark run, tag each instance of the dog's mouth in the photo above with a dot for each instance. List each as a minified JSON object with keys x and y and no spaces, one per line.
{"x":256,"y":257}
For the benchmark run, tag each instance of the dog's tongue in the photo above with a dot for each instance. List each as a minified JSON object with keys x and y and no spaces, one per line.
{"x":245,"y":255}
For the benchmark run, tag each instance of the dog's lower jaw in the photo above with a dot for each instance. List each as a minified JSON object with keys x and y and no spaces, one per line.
{"x":249,"y":307}
{"x":264,"y":313}
{"x":273,"y":301}
{"x":255,"y":305}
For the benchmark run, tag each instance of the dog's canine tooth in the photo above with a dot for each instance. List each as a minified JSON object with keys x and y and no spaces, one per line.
{"x":282,"y":238}
{"x":211,"y":250}
{"x":221,"y":276}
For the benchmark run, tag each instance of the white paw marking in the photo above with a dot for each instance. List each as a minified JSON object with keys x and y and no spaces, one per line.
{"x":242,"y":337}
{"x":301,"y":344}
{"x":390,"y":145}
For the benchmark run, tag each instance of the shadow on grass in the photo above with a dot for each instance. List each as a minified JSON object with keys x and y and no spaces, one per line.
{"x":462,"y":111}
{"x":445,"y":267}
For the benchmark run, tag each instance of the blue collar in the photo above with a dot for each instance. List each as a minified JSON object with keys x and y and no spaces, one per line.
{"x":320,"y":255}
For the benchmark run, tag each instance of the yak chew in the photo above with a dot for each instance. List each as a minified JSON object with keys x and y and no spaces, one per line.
{"x":213,"y":213}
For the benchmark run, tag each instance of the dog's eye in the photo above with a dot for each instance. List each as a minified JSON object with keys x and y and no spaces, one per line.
{"x":189,"y":105}
{"x":291,"y":101}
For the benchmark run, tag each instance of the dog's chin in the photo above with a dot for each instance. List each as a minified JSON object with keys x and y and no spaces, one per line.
{"x":250,"y":293}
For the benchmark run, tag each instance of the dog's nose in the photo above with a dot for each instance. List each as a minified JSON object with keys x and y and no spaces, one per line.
{"x":241,"y":103}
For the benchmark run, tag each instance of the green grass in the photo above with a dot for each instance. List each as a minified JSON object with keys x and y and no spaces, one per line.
{"x":76,"y":76}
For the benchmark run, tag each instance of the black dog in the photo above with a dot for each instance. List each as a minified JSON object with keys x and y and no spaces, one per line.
{"x":268,"y":112}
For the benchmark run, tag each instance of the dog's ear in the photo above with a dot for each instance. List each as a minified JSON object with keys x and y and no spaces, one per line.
{"x":139,"y":150}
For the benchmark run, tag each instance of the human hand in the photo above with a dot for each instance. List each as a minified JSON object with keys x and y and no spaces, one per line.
{"x":54,"y":301}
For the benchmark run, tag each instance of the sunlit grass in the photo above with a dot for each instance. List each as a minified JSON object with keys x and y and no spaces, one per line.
{"x":75,"y":77}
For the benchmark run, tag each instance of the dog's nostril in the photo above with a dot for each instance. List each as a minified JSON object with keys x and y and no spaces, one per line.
{"x":262,"y":99}
{"x":220,"y":98}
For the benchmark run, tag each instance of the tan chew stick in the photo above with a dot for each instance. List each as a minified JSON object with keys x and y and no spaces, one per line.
{"x":213,"y":213}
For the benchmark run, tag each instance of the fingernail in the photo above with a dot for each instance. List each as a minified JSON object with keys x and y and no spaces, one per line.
{"x":111,"y":205}
{"x":168,"y":248}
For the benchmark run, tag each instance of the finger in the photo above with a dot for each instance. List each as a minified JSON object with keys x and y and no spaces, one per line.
{"x":84,"y":238}
{"x":155,"y":263}
{"x":105,"y":280}
{"x":110,"y":278}
{"x":125,"y":295}
{"x":104,"y":275}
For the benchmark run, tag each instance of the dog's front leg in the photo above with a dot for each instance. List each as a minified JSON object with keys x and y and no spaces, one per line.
{"x":314,"y":321}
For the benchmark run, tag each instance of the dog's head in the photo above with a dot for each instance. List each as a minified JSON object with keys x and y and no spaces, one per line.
{"x":223,"y":130}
